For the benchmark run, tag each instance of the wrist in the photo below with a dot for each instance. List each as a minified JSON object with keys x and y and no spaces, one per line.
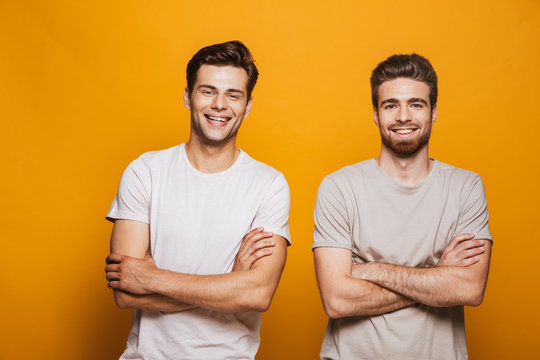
{"x":155,"y":283}
{"x":369,"y":269}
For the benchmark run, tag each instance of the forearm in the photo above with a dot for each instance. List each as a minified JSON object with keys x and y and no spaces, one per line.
{"x":355,"y":297}
{"x":156,"y":302}
{"x":231,"y":292}
{"x":436,"y":286}
{"x":344,"y":293}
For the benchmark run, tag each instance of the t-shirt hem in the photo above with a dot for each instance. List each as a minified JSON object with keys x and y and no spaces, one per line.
{"x":120,"y":216}
{"x":331,"y":245}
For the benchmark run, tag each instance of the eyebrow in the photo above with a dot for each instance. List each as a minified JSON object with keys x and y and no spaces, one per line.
{"x":211,"y":87}
{"x":410,"y":101}
{"x":420,"y":100}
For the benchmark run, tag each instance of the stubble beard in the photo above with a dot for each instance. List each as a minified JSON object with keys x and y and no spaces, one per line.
{"x":406,"y":148}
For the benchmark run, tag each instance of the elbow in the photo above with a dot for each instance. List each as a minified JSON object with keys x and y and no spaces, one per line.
{"x":333,"y":307}
{"x":262,"y":302}
{"x":262,"y":306}
{"x":475,"y":299}
{"x":475,"y":294}
{"x":122,"y":300}
{"x":257,"y":300}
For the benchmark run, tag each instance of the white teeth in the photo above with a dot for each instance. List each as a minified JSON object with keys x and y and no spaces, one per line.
{"x":214,"y":118}
{"x":404,"y":131}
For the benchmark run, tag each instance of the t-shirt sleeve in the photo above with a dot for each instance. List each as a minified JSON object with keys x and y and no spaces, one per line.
{"x":273,"y":214}
{"x":473,"y":217}
{"x":132,"y":201}
{"x":331,"y":220}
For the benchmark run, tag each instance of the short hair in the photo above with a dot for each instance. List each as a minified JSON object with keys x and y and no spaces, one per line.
{"x":233,"y":53}
{"x":413,"y":66}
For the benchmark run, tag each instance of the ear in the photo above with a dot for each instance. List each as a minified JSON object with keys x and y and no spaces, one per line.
{"x":434,"y":114}
{"x":376,"y":116}
{"x":187,"y":100}
{"x":248,"y":107}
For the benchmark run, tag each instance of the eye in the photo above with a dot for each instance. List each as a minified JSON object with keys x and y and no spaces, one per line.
{"x":234,"y":96}
{"x":390,"y":106}
{"x":417,"y":105}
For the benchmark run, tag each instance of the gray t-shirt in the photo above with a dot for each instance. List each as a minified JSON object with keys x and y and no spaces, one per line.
{"x":362,"y":209}
{"x":197,"y":222}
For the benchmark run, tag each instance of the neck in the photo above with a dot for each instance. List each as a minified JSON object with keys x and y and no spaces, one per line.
{"x":208,"y":158}
{"x":407,"y":170}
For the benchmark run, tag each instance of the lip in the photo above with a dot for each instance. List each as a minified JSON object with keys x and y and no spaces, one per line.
{"x":404,"y":131}
{"x":217,"y":120}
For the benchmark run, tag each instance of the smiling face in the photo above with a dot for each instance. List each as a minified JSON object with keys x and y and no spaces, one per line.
{"x":404,"y":116}
{"x":218,"y":104}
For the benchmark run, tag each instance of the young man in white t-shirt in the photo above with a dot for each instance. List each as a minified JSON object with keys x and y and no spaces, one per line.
{"x":201,"y":229}
{"x":402,"y":241}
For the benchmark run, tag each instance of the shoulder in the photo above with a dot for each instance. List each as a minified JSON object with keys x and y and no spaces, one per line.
{"x":349,"y":175}
{"x":458,"y":175}
{"x":153,"y":160}
{"x":466,"y":183}
{"x":260,"y":171}
{"x":342,"y":185}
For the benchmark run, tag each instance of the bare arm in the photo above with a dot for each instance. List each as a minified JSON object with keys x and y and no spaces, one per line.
{"x":437,"y":286}
{"x":133,"y":238}
{"x":244,"y":290}
{"x":343,"y":295}
{"x":345,"y":291}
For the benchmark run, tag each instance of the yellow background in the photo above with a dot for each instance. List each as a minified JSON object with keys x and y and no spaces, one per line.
{"x":86,"y":87}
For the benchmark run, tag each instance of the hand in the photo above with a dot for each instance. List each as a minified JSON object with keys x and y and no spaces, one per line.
{"x":130,"y":274}
{"x":463,"y":250}
{"x":255,"y":245}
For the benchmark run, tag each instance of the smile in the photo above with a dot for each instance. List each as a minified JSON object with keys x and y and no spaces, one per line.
{"x":404,"y":131}
{"x":218,"y":118}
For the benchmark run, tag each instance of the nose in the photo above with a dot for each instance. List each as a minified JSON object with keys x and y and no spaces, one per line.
{"x":219,"y":102}
{"x":404,"y":114}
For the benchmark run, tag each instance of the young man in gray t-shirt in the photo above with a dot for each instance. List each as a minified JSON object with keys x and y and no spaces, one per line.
{"x":401,"y":242}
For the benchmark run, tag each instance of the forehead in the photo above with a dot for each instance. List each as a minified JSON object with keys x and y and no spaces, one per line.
{"x":403,"y":89}
{"x":222,"y":77}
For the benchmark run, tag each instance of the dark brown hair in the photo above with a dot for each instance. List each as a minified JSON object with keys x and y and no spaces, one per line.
{"x":233,"y":53}
{"x":413,"y":66}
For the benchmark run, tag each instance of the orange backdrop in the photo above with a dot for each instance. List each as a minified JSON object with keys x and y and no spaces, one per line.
{"x":85,"y":87}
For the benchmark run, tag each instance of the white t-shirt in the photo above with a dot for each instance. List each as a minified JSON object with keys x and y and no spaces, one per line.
{"x":362,"y":209}
{"x":197,"y":222}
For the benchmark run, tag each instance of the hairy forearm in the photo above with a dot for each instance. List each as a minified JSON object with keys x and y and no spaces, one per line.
{"x":155,"y":302}
{"x":436,"y":286}
{"x":355,"y":297}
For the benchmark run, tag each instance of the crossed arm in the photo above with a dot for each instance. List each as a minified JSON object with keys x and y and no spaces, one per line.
{"x":138,"y":283}
{"x":349,"y":289}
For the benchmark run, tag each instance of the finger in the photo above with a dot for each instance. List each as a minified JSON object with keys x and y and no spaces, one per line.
{"x":253,"y":244}
{"x":112,"y":267}
{"x":253,"y":232}
{"x":471,"y":252}
{"x":260,"y":254}
{"x":469,"y":244}
{"x":113,"y":276}
{"x":248,"y":242}
{"x":469,"y":261}
{"x":263,"y":244}
{"x":459,"y":238}
{"x":248,"y":236}
{"x":260,"y":236}
{"x":115,"y":258}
